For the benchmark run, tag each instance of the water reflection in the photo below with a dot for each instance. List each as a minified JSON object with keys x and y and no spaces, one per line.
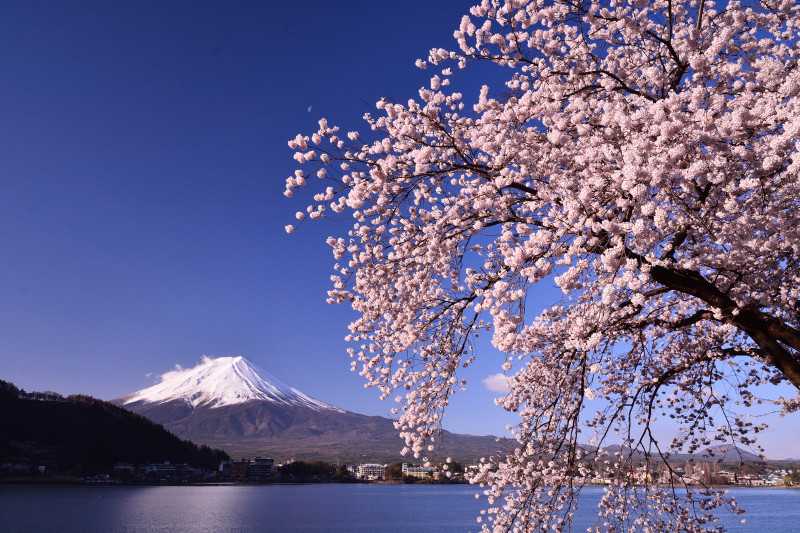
{"x":306,"y":509}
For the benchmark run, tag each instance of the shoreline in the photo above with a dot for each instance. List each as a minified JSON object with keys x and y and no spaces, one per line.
{"x":33,"y":481}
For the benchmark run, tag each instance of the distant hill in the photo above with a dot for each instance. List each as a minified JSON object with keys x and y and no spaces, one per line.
{"x":230,"y":403}
{"x":82,"y":435}
{"x":728,"y":453}
{"x":724,"y":453}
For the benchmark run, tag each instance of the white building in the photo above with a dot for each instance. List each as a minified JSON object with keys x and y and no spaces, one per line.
{"x":370,"y":471}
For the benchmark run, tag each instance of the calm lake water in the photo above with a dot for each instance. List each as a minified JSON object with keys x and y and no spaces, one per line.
{"x":304,"y":509}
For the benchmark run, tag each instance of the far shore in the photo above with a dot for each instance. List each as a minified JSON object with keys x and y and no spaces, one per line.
{"x":35,"y":480}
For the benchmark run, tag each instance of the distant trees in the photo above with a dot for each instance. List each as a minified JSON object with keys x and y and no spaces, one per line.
{"x":314,"y":469}
{"x":8,"y":390}
{"x":642,"y":156}
{"x":394,"y":470}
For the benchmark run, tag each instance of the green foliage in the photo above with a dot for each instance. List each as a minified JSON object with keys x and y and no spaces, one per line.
{"x":455,"y":467}
{"x":394,"y":470}
{"x":342,"y":472}
{"x":8,"y":390}
{"x":307,"y":469}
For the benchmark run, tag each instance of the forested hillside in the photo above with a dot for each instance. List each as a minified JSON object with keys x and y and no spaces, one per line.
{"x":83,"y":435}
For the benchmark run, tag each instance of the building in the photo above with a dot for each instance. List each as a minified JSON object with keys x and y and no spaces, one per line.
{"x":370,"y":471}
{"x":239,"y":469}
{"x":261,"y":468}
{"x":163,"y":471}
{"x":420,"y":472}
{"x":124,"y":468}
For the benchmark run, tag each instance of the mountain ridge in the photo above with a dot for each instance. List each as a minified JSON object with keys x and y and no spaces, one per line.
{"x":212,"y":404}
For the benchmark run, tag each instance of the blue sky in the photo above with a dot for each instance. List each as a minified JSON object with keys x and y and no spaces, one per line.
{"x":143,"y":158}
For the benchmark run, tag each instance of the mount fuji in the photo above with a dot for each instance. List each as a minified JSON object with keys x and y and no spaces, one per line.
{"x":230,"y":403}
{"x":220,"y":382}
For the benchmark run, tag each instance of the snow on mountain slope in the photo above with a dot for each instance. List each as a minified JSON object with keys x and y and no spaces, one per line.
{"x":222,"y":381}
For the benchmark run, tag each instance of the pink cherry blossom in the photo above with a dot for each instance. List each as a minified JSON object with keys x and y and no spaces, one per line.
{"x":642,"y":156}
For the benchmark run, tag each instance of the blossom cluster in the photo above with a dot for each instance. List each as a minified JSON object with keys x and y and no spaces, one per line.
{"x":643,"y":157}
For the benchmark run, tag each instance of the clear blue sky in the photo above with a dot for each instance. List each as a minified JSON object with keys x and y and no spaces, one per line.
{"x":143,"y":159}
{"x":142,"y":164}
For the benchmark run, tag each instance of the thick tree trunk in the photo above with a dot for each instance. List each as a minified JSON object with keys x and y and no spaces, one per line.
{"x":762,"y":332}
{"x":768,"y":332}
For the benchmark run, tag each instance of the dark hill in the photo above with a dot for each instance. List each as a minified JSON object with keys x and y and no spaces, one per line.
{"x":83,"y":435}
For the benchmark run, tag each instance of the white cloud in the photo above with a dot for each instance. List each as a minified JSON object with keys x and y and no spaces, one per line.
{"x":172,"y":374}
{"x":497,"y":383}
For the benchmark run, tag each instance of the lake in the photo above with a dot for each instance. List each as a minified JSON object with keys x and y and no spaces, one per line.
{"x":313,"y":508}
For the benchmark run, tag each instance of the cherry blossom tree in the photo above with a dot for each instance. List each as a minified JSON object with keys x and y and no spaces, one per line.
{"x":643,"y":156}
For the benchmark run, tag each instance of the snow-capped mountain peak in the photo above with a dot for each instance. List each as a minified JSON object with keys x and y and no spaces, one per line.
{"x":222,"y":381}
